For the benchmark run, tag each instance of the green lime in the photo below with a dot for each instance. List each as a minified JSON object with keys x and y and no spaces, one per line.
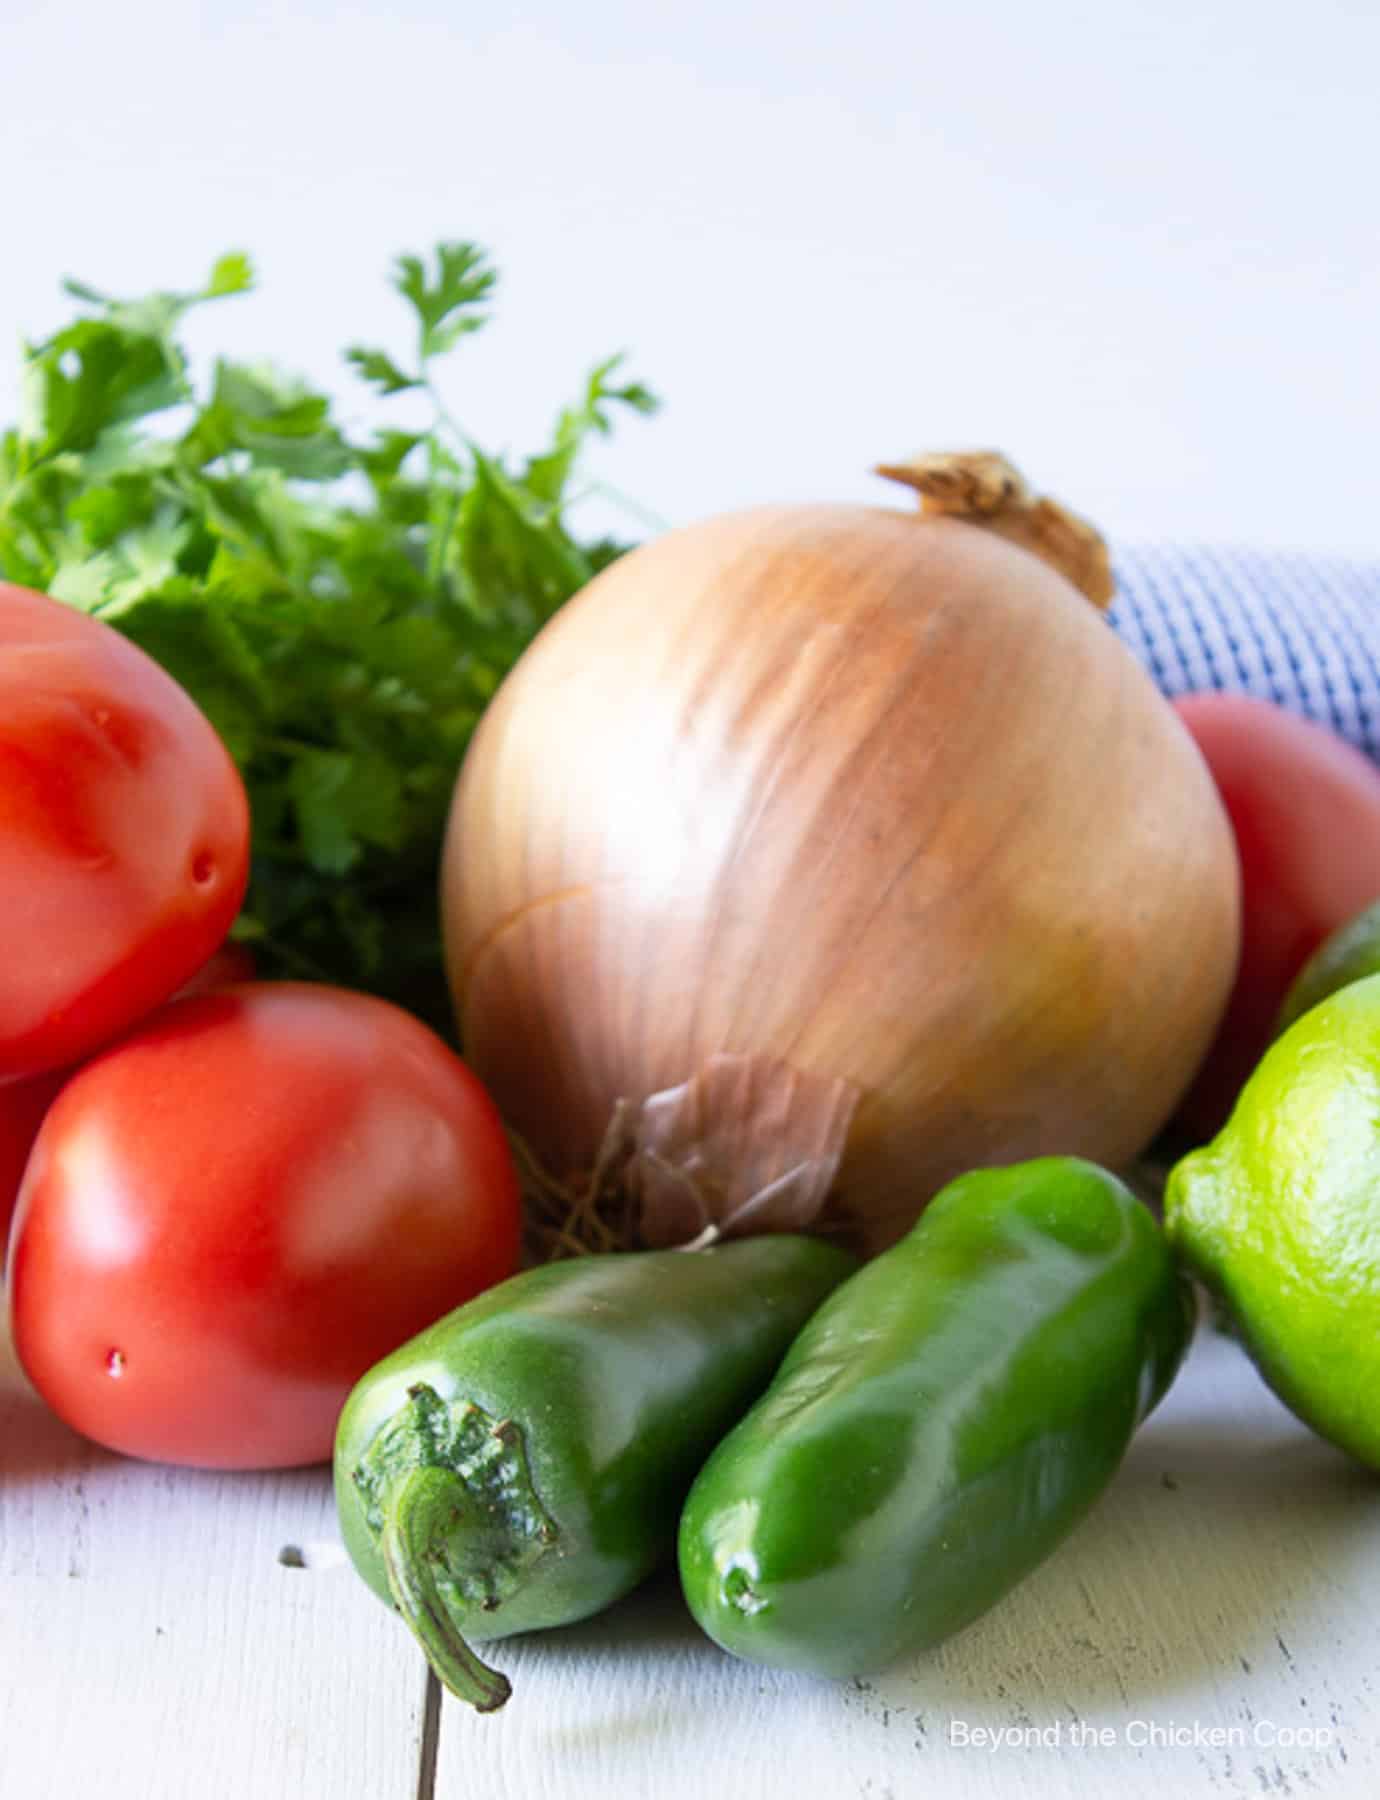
{"x":1349,"y":954}
{"x":1280,"y":1217}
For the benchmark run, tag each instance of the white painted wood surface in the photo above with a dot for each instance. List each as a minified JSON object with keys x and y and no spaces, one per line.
{"x":152,"y":1645}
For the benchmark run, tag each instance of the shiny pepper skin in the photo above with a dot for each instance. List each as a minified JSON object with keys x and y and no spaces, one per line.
{"x":940,"y":1424}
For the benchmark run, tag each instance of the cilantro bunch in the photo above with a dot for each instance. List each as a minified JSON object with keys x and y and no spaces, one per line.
{"x":341,"y":606}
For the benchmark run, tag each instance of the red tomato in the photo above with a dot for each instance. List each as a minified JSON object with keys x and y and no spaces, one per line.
{"x":232,"y":1213}
{"x":124,"y":834}
{"x":1305,"y":807}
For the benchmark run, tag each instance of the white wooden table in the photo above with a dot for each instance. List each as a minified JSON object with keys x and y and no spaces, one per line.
{"x":1213,"y":1628}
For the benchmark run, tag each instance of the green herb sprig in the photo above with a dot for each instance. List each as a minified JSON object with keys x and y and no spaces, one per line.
{"x":341,"y":604}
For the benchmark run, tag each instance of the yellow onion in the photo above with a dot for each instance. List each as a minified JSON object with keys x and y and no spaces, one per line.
{"x":814,"y":854}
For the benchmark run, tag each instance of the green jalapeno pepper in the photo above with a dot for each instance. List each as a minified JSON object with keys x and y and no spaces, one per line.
{"x":939,"y":1425}
{"x":522,"y":1462}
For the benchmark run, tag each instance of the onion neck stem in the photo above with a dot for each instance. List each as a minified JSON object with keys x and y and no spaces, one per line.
{"x":983,"y":488}
{"x":426,"y":1511}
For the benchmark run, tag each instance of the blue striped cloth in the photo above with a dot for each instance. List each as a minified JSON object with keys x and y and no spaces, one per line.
{"x":1300,"y":630}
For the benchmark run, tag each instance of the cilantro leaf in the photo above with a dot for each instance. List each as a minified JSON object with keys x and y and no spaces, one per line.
{"x":233,"y":274}
{"x":378,"y":367}
{"x":443,"y":302}
{"x":546,"y":475}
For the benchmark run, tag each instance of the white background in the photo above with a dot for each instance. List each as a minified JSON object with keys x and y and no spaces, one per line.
{"x":1134,"y":245}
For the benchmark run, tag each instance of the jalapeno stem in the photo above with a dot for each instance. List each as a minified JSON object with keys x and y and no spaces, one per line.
{"x":422,"y":1511}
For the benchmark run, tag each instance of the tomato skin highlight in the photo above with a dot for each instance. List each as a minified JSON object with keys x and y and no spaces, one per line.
{"x":235,"y":1211}
{"x":1305,"y":808}
{"x":124,"y":834}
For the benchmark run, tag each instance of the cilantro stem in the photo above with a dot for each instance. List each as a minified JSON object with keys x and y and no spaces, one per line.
{"x":442,"y":413}
{"x":289,"y":958}
{"x":292,"y":746}
{"x":605,"y":490}
{"x":438,"y":545}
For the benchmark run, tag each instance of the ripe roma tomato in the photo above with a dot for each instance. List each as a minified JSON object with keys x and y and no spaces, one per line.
{"x":124,"y":834}
{"x":232,"y":1213}
{"x":1305,"y":807}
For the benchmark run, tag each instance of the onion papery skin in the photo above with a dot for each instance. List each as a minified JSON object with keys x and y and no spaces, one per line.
{"x":875,"y":799}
